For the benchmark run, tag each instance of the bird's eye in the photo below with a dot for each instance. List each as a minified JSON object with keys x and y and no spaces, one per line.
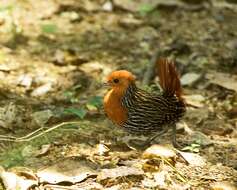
{"x":116,"y":80}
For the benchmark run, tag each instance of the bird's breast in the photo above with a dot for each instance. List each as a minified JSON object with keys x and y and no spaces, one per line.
{"x":114,"y":109}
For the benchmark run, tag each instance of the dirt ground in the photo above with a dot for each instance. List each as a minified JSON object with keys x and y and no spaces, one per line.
{"x":54,"y":56}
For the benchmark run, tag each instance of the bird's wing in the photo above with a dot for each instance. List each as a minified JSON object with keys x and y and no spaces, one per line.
{"x":149,"y":112}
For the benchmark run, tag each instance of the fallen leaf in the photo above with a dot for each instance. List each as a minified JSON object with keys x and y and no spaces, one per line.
{"x":80,"y":112}
{"x":160,"y":178}
{"x":72,"y":16}
{"x":101,"y":149}
{"x":25,"y":80}
{"x":159,"y":151}
{"x":68,"y":170}
{"x":9,"y":66}
{"x":42,"y":117}
{"x":12,"y":181}
{"x":150,"y":183}
{"x":189,"y":79}
{"x":193,"y":159}
{"x":44,"y":150}
{"x":195,"y":100}
{"x":224,"y":80}
{"x":122,"y":171}
{"x":232,"y":113}
{"x":223,"y":186}
{"x":144,"y":5}
{"x":91,"y":107}
{"x":197,"y":115}
{"x":130,"y":22}
{"x":107,"y":6}
{"x":49,"y":28}
{"x":42,"y":90}
{"x":28,"y":151}
{"x":200,"y":138}
{"x":95,"y":68}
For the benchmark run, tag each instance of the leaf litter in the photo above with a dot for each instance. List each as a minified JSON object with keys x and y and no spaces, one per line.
{"x":68,"y":47}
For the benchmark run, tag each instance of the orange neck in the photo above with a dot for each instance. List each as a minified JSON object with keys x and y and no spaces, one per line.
{"x":113,"y":106}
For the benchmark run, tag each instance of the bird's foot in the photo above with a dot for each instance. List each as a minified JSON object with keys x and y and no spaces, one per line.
{"x":138,"y":144}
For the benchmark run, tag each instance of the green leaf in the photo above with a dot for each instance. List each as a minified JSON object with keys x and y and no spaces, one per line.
{"x":80,"y":112}
{"x":70,"y":95}
{"x":95,"y":101}
{"x":193,"y":148}
{"x":91,"y":107}
{"x":145,"y":8}
{"x":195,"y":145}
{"x":196,"y":150}
{"x":49,"y":28}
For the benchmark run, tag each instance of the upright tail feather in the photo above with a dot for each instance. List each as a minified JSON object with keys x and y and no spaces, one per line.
{"x":169,"y":78}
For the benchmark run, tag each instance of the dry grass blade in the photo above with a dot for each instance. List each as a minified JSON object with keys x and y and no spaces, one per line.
{"x":179,"y":175}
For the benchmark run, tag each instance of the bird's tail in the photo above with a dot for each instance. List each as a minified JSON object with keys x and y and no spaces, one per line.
{"x":169,"y":78}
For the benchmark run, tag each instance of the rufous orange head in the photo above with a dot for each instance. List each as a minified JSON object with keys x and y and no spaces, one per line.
{"x":120,"y":80}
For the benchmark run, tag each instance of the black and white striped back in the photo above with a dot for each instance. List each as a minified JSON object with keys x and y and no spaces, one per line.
{"x":148,"y":113}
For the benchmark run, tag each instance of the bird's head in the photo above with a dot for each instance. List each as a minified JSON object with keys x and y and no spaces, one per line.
{"x":120,"y":80}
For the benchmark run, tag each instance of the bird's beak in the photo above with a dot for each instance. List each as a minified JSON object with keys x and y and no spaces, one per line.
{"x":106,"y":84}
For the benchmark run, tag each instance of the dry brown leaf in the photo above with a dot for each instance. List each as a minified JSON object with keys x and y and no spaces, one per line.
{"x":135,"y":6}
{"x":189,"y":79}
{"x":193,"y":159}
{"x":122,"y":171}
{"x":159,"y":151}
{"x":42,"y":90}
{"x":42,"y":117}
{"x":15,"y":180}
{"x":223,"y":186}
{"x":69,"y":170}
{"x":195,"y":100}
{"x":160,"y":178}
{"x":44,"y":150}
{"x":25,"y":80}
{"x":101,"y":149}
{"x":224,"y":80}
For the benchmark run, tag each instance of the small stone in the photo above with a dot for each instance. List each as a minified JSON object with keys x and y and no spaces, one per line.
{"x":42,"y":90}
{"x":223,"y":186}
{"x":189,"y":79}
{"x":42,"y":117}
{"x":25,"y":80}
{"x":107,"y":6}
{"x":159,"y":151}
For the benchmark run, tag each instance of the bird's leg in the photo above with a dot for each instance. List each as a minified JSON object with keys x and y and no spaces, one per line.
{"x":144,"y":145}
{"x":148,"y":141}
{"x":174,"y":142}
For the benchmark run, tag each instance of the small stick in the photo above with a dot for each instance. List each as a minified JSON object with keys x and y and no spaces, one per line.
{"x":28,"y":138}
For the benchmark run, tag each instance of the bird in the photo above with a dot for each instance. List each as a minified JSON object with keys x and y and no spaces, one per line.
{"x":144,"y":113}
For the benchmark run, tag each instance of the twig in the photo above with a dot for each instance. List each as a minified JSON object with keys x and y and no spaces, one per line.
{"x":60,"y":187}
{"x":5,"y":136}
{"x":29,"y":136}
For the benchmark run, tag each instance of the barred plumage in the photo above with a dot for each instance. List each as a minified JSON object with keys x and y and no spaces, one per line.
{"x":148,"y":113}
{"x":141,"y":112}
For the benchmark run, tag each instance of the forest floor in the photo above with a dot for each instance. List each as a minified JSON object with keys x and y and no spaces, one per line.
{"x":54,"y":56}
